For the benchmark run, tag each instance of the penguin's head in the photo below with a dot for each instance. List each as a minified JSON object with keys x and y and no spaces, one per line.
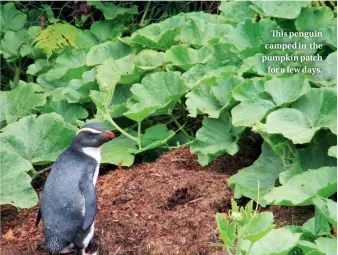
{"x":92,"y":135}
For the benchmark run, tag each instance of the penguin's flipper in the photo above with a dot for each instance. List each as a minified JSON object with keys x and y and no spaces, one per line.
{"x":38,"y":218}
{"x":88,"y":191}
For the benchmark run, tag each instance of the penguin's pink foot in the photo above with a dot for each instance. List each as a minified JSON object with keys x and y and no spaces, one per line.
{"x":67,"y":250}
{"x":83,"y":252}
{"x":95,"y":253}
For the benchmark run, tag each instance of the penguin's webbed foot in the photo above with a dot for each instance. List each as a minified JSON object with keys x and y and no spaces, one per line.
{"x":83,"y":252}
{"x":67,"y":250}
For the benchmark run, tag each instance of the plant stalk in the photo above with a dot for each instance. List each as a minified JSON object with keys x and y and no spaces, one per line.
{"x":37,"y":173}
{"x":181,"y":127}
{"x":120,"y":129}
{"x":139,"y":135}
{"x":250,"y":248}
{"x":239,"y":242}
{"x":257,"y":202}
{"x":145,"y":14}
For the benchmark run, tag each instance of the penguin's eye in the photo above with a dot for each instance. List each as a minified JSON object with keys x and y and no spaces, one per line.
{"x":91,"y":134}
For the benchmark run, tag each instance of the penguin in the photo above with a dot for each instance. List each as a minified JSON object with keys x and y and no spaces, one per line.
{"x":68,"y":200}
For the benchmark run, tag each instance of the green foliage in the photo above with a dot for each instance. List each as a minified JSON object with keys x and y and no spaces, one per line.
{"x":20,"y":102}
{"x":29,"y":141}
{"x":212,"y":95}
{"x":210,"y":146}
{"x":315,"y":110}
{"x":56,"y":37}
{"x":253,"y":232}
{"x":280,"y":9}
{"x":119,"y":151}
{"x":300,"y":189}
{"x":15,"y":184}
{"x":265,"y":170}
{"x":157,"y":94}
{"x":195,"y":79}
{"x":113,"y":12}
{"x":11,"y":19}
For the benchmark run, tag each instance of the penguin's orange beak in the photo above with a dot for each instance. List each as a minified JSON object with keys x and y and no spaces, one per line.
{"x":108,"y":134}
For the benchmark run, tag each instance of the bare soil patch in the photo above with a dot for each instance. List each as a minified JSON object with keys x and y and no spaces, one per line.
{"x":166,"y":207}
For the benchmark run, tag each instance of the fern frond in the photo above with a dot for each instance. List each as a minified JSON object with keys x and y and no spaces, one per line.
{"x":55,"y":37}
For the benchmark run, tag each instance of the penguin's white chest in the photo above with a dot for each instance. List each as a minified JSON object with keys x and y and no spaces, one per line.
{"x":96,"y":154}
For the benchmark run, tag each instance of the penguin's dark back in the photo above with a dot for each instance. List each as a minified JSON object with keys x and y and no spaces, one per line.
{"x":61,"y":203}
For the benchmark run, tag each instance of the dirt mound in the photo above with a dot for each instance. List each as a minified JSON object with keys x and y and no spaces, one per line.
{"x":167,"y":207}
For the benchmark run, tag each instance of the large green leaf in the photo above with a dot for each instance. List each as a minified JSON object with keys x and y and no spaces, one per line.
{"x":276,"y":242}
{"x":327,"y":245}
{"x":86,"y":39}
{"x":158,"y":35}
{"x":248,"y":35}
{"x":60,"y":77}
{"x":149,"y":59}
{"x":107,"y":81}
{"x":313,"y":111}
{"x":75,"y":90}
{"x":328,"y":208}
{"x":286,"y":90}
{"x":302,"y":188}
{"x":10,"y":45}
{"x":99,"y":53}
{"x":280,"y":9}
{"x":316,"y":226}
{"x":308,"y":247}
{"x":330,"y":35}
{"x":11,"y":18}
{"x":40,"y":66}
{"x":27,"y":49}
{"x":20,"y":102}
{"x":319,"y":106}
{"x":328,"y":76}
{"x":56,"y":72}
{"x":226,"y":230}
{"x":155,"y":136}
{"x":249,"y":89}
{"x":70,"y":112}
{"x":316,"y":18}
{"x":259,"y":226}
{"x":123,"y":67}
{"x":203,"y":32}
{"x":186,"y":57}
{"x":106,"y":30}
{"x":38,"y":139}
{"x":15,"y":188}
{"x":210,"y":143}
{"x":118,"y":104}
{"x":211,"y":95}
{"x":313,"y":156}
{"x":158,"y":91}
{"x":264,"y":170}
{"x":255,"y":65}
{"x":112,"y":11}
{"x":236,"y":11}
{"x":197,"y":73}
{"x":73,"y":58}
{"x":292,"y":124}
{"x":119,"y":151}
{"x":248,"y":112}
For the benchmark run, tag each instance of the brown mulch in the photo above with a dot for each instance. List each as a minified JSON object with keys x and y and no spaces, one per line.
{"x":166,"y":207}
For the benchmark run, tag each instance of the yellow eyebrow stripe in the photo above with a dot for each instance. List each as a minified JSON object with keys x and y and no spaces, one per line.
{"x":88,"y":129}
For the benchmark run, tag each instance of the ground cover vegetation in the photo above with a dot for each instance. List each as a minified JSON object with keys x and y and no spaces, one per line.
{"x":168,"y":77}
